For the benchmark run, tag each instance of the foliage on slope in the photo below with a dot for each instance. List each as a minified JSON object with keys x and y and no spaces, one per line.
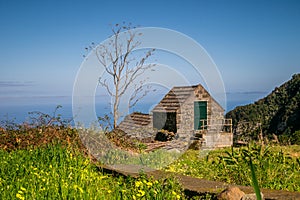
{"x":278,"y":114}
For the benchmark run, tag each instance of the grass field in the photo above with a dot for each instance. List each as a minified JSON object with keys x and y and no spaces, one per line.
{"x":55,"y":172}
{"x":50,"y":162}
{"x":277,"y":167}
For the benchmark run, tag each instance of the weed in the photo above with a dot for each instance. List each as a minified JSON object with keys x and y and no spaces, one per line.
{"x":275,"y":168}
{"x":56,"y":172}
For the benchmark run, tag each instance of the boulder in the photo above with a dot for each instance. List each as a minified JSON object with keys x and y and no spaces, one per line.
{"x":231,"y":193}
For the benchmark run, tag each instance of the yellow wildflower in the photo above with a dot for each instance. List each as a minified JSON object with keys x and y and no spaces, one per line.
{"x":102,"y":177}
{"x":149,"y":184}
{"x":141,"y":192}
{"x":86,"y":162}
{"x":138,"y":183}
{"x":19,"y":196}
{"x":80,"y":189}
{"x":36,"y":174}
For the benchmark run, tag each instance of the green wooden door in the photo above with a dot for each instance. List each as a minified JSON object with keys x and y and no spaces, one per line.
{"x":200,"y":113}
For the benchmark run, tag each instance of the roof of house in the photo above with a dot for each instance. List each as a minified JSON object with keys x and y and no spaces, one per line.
{"x":134,"y":121}
{"x":176,"y":97}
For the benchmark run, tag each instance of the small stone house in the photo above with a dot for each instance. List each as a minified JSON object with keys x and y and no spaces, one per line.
{"x":188,"y":111}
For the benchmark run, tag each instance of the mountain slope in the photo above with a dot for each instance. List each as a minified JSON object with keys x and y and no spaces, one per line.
{"x":278,"y":113}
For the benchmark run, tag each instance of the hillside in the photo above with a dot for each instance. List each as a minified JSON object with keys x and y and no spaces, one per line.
{"x":276,"y":114}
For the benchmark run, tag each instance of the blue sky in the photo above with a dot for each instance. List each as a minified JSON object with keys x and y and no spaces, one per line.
{"x":255,"y":44}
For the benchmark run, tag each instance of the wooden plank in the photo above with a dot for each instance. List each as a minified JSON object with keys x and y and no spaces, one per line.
{"x":196,"y":185}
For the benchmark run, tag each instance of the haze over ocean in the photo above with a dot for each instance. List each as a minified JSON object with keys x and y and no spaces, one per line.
{"x":17,"y":108}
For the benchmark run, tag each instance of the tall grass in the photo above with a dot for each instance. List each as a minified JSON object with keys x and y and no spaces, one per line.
{"x":60,"y":173}
{"x":274,"y":168}
{"x":254,"y":181}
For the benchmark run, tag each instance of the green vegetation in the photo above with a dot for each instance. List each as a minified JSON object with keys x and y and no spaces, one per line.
{"x":254,"y":181}
{"x":274,"y":168}
{"x":278,"y":114}
{"x":46,"y":159}
{"x":55,"y":172}
{"x":116,"y":151}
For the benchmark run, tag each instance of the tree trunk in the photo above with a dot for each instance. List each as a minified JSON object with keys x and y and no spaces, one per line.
{"x":116,"y":105}
{"x":115,"y":115}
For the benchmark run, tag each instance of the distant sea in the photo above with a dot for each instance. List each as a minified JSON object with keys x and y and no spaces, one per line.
{"x":17,"y":108}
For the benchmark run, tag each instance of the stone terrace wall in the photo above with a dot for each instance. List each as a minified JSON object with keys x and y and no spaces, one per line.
{"x":217,"y":139}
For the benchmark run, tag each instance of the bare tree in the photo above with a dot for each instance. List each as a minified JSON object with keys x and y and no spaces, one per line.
{"x":122,"y":67}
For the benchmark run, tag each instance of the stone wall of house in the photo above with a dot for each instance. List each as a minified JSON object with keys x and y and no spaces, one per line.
{"x":185,"y":117}
{"x":185,"y":122}
{"x":217,"y":139}
{"x":216,"y":109}
{"x":185,"y":114}
{"x":213,"y":137}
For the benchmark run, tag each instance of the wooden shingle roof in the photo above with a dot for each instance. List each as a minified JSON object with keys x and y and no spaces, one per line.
{"x":134,"y":121}
{"x":175,"y":97}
